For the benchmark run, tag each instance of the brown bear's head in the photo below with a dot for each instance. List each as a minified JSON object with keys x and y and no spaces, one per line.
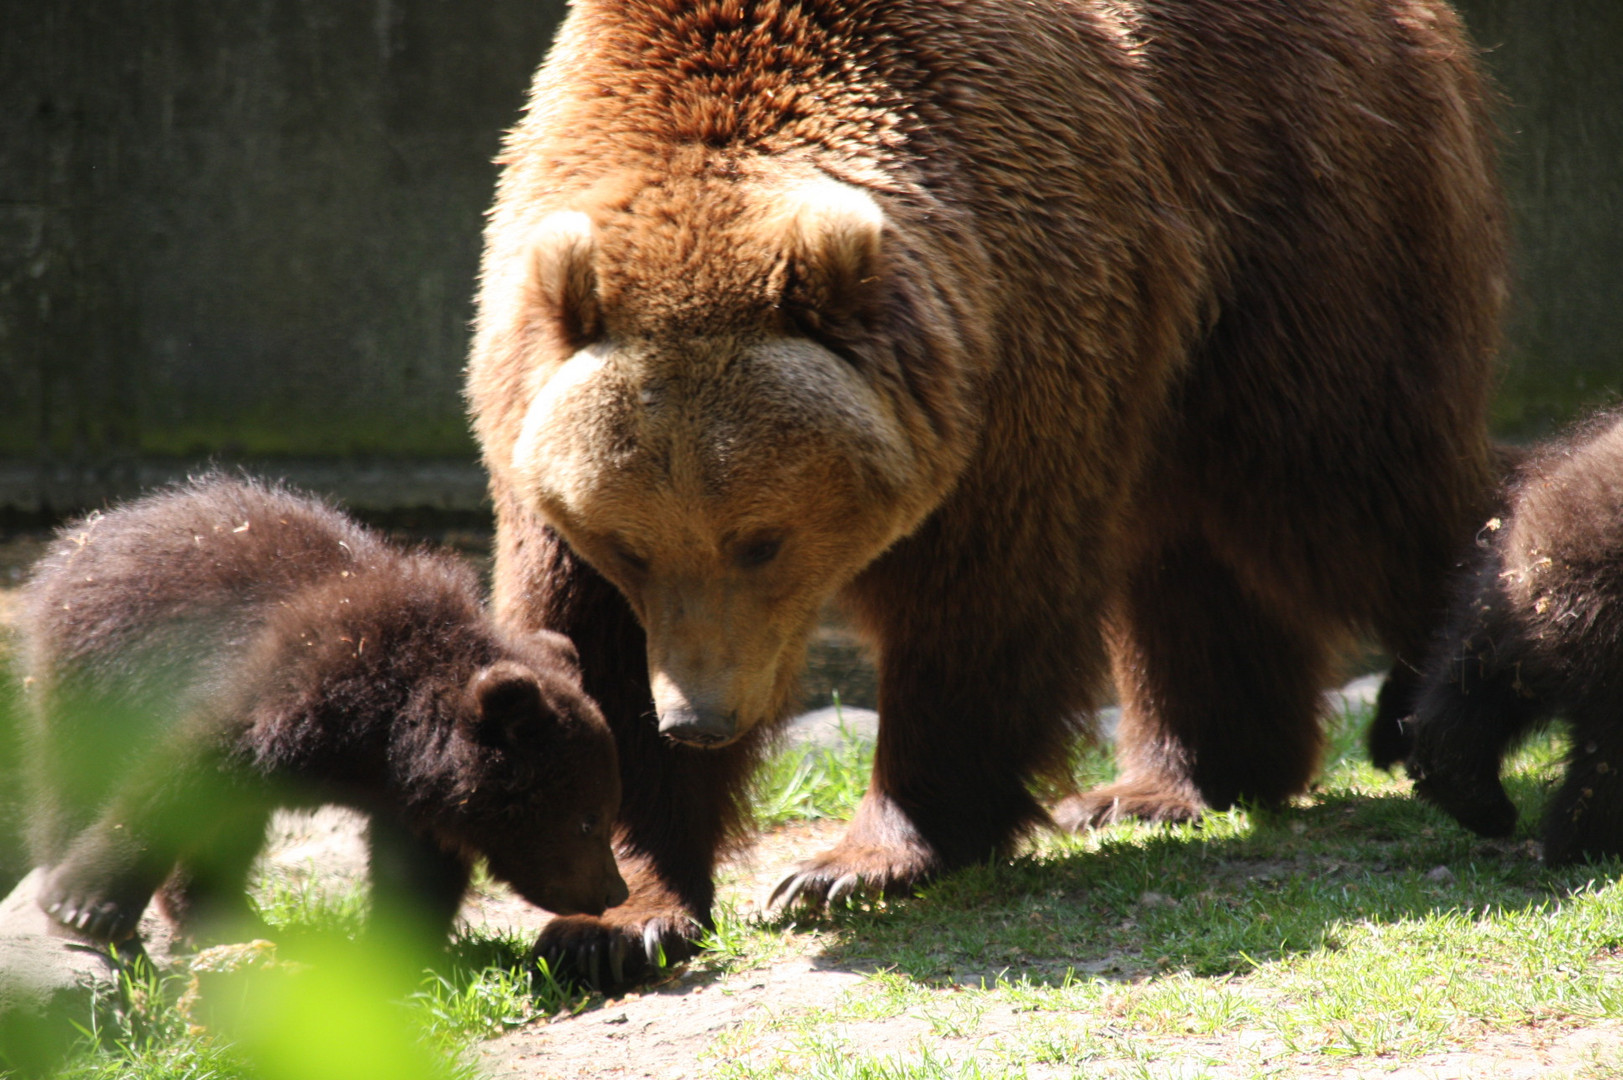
{"x":736,"y":395}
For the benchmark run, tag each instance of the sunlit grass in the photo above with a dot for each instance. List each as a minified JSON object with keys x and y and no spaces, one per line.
{"x":1358,"y":925}
{"x":813,"y":783}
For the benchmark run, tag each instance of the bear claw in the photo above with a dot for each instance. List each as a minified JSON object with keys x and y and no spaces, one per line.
{"x":1128,"y":799}
{"x":817,"y":887}
{"x":90,"y":912}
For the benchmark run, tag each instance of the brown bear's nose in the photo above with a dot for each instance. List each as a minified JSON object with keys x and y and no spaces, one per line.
{"x":698,"y":727}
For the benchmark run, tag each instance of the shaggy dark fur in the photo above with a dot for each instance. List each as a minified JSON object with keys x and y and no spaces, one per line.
{"x":1537,"y":633}
{"x":1056,"y":339}
{"x":199,"y":657}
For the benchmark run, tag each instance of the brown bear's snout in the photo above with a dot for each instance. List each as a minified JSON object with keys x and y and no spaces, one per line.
{"x":698,"y":727}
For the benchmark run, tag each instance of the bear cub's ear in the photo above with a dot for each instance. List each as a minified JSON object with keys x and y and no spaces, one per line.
{"x":507,"y":703}
{"x":833,"y":234}
{"x":563,"y":645}
{"x":563,"y":276}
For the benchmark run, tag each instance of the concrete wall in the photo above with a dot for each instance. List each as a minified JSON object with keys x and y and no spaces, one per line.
{"x":1558,"y":65}
{"x":249,"y":229}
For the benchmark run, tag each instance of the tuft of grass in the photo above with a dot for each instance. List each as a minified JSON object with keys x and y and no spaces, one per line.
{"x":814,"y":783}
{"x":304,"y":905}
{"x":488,"y":986}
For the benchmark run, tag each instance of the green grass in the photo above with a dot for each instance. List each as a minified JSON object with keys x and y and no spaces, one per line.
{"x":813,"y":784}
{"x":1357,"y":928}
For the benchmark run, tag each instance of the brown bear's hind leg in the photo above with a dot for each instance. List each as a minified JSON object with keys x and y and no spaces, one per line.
{"x":164,"y":808}
{"x":1219,"y":696}
{"x":206,"y":898}
{"x":1390,"y":737}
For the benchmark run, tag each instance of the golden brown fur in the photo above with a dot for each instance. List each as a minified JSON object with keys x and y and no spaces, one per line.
{"x":1051,"y":337}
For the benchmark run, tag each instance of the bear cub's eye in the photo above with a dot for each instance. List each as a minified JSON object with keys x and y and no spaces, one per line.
{"x":588,"y":825}
{"x":757,"y":553}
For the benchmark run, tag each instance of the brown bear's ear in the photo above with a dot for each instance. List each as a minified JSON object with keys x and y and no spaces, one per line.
{"x":507,"y":702}
{"x":833,"y":234}
{"x":563,"y":276}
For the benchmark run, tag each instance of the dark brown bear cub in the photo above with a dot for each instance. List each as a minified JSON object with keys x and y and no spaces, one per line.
{"x":202,"y":656}
{"x":1537,"y":633}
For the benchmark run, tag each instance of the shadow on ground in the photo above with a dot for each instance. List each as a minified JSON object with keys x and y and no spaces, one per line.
{"x":1210,"y":901}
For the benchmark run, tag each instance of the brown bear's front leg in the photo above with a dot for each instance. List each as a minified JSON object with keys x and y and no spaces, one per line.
{"x":979,"y":683}
{"x":1483,"y":691}
{"x":417,"y":887}
{"x":680,"y":806}
{"x":1219,"y":696}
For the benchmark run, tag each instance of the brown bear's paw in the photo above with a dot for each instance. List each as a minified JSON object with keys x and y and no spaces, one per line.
{"x":618,"y":949}
{"x":881,"y":854}
{"x":1144,"y":799}
{"x":202,"y":918}
{"x":1472,"y":796}
{"x":853,"y":869}
{"x":91,"y":904}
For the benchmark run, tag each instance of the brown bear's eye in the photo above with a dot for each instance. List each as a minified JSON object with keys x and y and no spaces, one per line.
{"x":634,"y":562}
{"x":588,"y":825}
{"x":757,"y":553}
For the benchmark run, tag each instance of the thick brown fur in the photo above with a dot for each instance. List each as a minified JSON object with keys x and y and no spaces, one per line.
{"x":1536,"y":633}
{"x":195,"y":659}
{"x":1054,"y":339}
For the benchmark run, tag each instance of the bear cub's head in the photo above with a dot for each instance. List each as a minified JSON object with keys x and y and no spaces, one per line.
{"x":534,"y":785}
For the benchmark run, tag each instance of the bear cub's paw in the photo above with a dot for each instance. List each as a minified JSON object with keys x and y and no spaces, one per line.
{"x":1481,"y":805}
{"x":852,"y":871}
{"x":85,"y":901}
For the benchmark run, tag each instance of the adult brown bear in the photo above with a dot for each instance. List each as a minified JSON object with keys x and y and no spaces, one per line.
{"x":1051,"y":337}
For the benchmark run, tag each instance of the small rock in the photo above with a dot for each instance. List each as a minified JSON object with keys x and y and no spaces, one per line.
{"x":831,"y":728}
{"x":51,"y":989}
{"x":1442,"y":875}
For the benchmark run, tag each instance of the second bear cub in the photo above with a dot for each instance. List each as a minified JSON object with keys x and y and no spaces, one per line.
{"x":1536,"y":633}
{"x":197,"y":658}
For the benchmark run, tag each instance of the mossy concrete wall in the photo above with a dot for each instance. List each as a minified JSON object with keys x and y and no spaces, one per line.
{"x":249,"y":230}
{"x":1560,"y":67}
